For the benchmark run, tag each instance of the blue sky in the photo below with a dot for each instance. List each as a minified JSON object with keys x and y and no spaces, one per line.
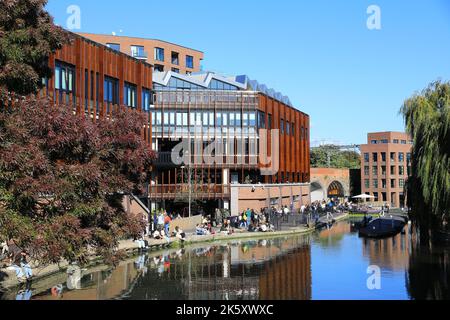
{"x":349,"y":79}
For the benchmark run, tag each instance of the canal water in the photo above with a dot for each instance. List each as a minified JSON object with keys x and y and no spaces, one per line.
{"x":331,"y":264}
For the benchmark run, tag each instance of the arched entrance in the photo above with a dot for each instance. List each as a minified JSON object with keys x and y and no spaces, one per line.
{"x":317,"y":192}
{"x":336,"y":190}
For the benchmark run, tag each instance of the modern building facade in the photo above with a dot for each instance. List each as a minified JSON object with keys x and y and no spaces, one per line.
{"x":385,"y":167}
{"x":261,"y":157}
{"x":163,"y":55}
{"x":97,"y":80}
{"x":240,"y":117}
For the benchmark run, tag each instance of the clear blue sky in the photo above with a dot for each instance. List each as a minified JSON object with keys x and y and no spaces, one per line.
{"x":349,"y":79}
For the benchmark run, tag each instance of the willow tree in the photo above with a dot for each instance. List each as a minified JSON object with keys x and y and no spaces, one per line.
{"x":427,"y":118}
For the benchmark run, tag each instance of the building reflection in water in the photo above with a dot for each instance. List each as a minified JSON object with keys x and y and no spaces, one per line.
{"x":391,"y":253}
{"x":266,"y":269}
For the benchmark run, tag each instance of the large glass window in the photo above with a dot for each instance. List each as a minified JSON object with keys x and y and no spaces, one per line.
{"x":401,"y":157}
{"x":138,"y":52}
{"x":366,"y":156}
{"x":64,"y":77}
{"x":130,"y":94}
{"x":159,"y":54}
{"x":282,"y":126}
{"x":190,"y":62}
{"x":111,"y":90}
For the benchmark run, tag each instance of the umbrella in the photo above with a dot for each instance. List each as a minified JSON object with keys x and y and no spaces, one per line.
{"x":364,"y":196}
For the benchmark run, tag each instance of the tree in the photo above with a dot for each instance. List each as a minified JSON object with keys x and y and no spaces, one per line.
{"x":338,"y":159}
{"x":427,"y":118}
{"x":63,"y":177}
{"x":27,"y":38}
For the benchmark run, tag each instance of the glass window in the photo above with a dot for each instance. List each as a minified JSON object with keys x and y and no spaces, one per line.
{"x":64,"y":77}
{"x":383,"y":156}
{"x":111,"y":90}
{"x":401,"y":170}
{"x":219,"y":119}
{"x":375,"y":157}
{"x":375,"y":184}
{"x":114,"y":46}
{"x":396,"y":141}
{"x":392,"y":156}
{"x":146,"y":100}
{"x":130,"y":94}
{"x":159,"y":54}
{"x":367,"y":183}
{"x":374,"y":142}
{"x":252,"y":119}
{"x":190,"y":62}
{"x":175,"y":58}
{"x":401,"y":183}
{"x":293,"y":129}
{"x":384,"y":141}
{"x":261,"y":120}
{"x":366,"y":170}
{"x":176,"y":70}
{"x":288,"y":128}
{"x":375,"y":170}
{"x":403,"y":141}
{"x":282,"y":126}
{"x":401,"y":157}
{"x":238,"y":119}
{"x":392,"y":183}
{"x":138,"y":52}
{"x":58,"y":77}
{"x":366,"y":156}
{"x":269,"y":121}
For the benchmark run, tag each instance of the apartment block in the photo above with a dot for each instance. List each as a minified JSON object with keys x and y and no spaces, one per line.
{"x":385,"y":167}
{"x":163,"y":55}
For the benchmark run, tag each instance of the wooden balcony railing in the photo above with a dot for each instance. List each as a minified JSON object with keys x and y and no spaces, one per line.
{"x":181,"y":191}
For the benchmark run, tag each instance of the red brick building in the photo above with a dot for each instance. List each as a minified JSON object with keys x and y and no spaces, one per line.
{"x":386,"y":165}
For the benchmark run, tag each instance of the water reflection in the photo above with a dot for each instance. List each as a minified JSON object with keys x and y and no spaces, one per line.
{"x":331,"y":264}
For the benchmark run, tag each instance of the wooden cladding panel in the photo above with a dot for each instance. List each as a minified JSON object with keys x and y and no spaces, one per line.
{"x":99,"y":60}
{"x":294,"y":151}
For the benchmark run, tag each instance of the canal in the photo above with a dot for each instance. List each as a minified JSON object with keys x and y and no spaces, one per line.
{"x":331,"y":264}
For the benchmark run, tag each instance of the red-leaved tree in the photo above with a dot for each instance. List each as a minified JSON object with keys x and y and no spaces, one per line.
{"x":63,"y":177}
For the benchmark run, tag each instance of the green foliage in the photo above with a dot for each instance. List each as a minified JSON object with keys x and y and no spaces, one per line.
{"x":338,"y":159}
{"x":427,"y":118}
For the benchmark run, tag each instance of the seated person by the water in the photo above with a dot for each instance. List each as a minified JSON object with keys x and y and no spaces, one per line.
{"x":179,"y":234}
{"x":157,"y":235}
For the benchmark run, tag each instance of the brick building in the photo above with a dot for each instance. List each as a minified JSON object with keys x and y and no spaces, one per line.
{"x":163,"y":55}
{"x":385,"y":167}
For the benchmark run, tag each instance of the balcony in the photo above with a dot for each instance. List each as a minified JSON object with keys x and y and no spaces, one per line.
{"x":180,"y":192}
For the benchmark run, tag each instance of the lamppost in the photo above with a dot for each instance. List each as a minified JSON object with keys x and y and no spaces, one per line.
{"x":189,"y":181}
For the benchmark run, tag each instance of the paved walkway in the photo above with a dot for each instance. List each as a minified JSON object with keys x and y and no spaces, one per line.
{"x":8,"y":278}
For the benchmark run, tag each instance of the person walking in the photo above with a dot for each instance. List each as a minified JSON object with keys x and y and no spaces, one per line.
{"x":167,"y":221}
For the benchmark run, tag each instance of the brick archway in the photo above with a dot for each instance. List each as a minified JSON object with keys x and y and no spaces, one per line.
{"x":335,"y":180}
